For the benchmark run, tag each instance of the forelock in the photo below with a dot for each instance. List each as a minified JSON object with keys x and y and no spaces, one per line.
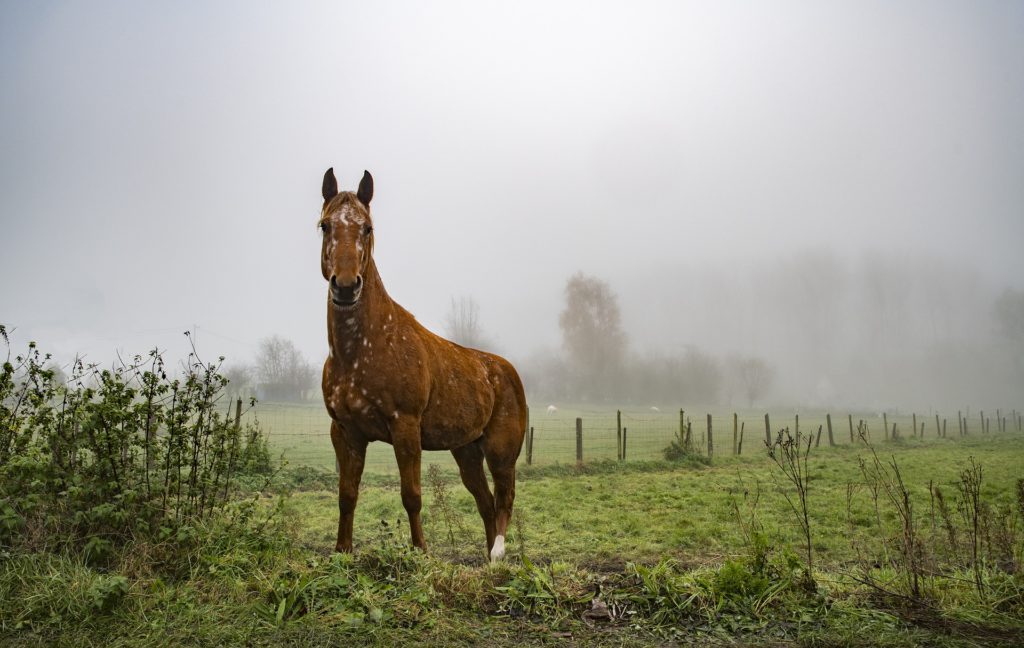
{"x":346,"y":202}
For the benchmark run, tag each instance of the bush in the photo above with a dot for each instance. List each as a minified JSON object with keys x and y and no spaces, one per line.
{"x":115,"y":455}
{"x":681,"y":449}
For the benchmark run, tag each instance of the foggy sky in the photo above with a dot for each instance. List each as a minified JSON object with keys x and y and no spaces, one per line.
{"x":161,"y":166}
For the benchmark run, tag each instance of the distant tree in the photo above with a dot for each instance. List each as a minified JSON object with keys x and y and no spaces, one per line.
{"x":545,"y":376}
{"x":756,"y":377}
{"x":1009,"y":314}
{"x":592,"y":335}
{"x":282,"y":371}
{"x":462,"y":324}
{"x":60,"y":377}
{"x":240,"y":380}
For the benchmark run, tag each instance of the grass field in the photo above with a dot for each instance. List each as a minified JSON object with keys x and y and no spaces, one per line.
{"x":608,"y":513}
{"x":657,"y":540}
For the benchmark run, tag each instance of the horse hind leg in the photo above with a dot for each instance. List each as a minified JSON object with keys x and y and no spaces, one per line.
{"x":501,"y":448}
{"x":470,"y":459}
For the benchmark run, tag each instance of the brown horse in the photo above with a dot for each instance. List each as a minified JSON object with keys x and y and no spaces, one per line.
{"x":387,"y":378}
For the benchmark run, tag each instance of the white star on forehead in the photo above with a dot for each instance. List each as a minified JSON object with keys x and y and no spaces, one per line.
{"x":347,"y":215}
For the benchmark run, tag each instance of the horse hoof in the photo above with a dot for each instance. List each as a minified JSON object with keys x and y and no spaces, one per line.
{"x":498,"y":550}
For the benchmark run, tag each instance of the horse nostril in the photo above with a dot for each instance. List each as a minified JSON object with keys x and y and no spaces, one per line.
{"x":354,"y":286}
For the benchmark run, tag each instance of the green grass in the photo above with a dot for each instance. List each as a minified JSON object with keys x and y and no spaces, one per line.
{"x":580,"y":529}
{"x":609,"y":512}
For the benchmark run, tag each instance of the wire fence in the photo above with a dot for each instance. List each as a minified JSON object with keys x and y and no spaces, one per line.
{"x":300,"y":433}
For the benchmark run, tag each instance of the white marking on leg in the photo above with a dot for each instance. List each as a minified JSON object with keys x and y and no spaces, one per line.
{"x":498,"y":551}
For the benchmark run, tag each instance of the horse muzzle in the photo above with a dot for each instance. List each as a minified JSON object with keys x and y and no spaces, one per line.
{"x":346,"y":296}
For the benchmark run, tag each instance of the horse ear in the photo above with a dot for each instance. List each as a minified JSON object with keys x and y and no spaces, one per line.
{"x":365,"y":193}
{"x":330,"y":187}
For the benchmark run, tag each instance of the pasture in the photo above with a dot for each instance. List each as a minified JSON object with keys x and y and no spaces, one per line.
{"x":637,"y":552}
{"x":603,"y":515}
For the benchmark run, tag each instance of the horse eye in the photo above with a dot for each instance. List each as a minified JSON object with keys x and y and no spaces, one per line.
{"x":323,"y":227}
{"x":367,"y":230}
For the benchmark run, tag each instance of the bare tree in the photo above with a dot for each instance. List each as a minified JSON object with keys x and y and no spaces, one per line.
{"x":241,"y":380}
{"x":462,"y":324}
{"x":592,"y":335}
{"x":282,"y":371}
{"x":756,"y":376}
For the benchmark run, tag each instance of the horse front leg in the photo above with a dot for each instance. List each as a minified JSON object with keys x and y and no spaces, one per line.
{"x":350,"y":451}
{"x":405,"y":437}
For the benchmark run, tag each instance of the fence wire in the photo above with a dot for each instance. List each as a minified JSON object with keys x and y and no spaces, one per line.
{"x":300,"y":433}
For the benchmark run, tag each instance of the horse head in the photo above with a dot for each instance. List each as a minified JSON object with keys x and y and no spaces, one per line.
{"x":348,"y":239}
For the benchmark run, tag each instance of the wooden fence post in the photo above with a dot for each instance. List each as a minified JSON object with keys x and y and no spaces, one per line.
{"x":682,"y":430}
{"x":817,"y":439}
{"x":624,"y":444}
{"x":579,"y":440}
{"x":850,"y":418}
{"x":885,"y":425}
{"x":828,"y":420}
{"x":981,"y":414}
{"x":960,"y":422}
{"x":913,"y":430}
{"x":739,"y":449}
{"x":938,"y":428}
{"x":796,"y":431}
{"x":529,"y":448}
{"x":711,"y":440}
{"x":767,"y":431}
{"x":689,"y":437}
{"x":618,"y":434}
{"x":735,"y":433}
{"x":526,"y":429}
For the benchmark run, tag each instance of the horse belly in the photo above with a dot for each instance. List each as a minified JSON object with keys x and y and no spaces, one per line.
{"x":453,"y":424}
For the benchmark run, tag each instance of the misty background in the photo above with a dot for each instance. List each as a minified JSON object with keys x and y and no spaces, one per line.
{"x":835,"y":190}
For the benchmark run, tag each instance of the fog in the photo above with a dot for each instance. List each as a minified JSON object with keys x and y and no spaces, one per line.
{"x":837,"y":188}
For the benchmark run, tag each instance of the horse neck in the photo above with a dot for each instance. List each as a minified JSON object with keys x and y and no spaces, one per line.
{"x":346,"y":329}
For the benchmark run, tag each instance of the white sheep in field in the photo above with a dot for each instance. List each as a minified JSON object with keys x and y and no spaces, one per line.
{"x":552,"y":409}
{"x":655,"y":409}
